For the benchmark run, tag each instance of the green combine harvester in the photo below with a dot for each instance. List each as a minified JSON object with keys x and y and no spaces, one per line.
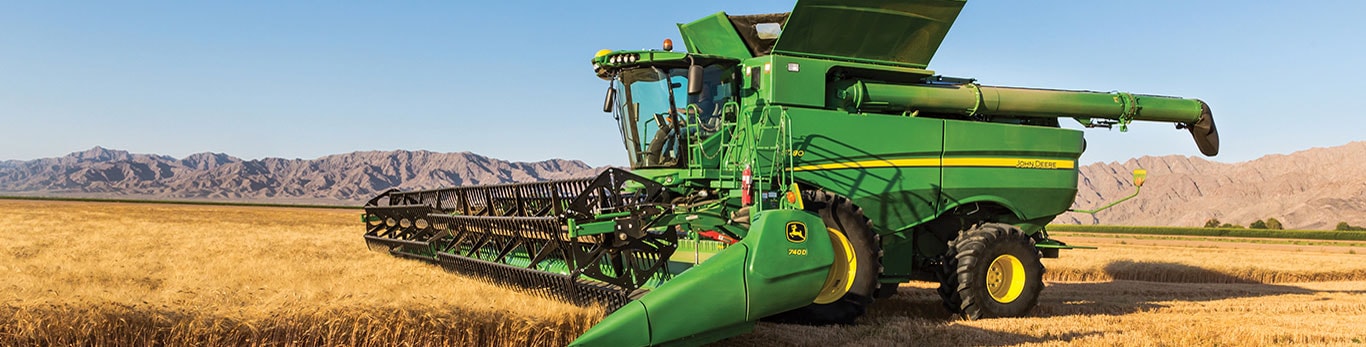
{"x":792,"y":167}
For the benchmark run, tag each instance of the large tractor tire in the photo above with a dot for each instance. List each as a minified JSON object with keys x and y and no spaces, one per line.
{"x":991,"y":271}
{"x":853,"y":280}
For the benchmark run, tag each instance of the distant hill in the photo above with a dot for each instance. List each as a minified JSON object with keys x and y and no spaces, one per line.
{"x":335,"y":179}
{"x":1310,"y":189}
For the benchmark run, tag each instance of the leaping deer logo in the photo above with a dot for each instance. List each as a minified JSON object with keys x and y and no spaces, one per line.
{"x":796,"y":232}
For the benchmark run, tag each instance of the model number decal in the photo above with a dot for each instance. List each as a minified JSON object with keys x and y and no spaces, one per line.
{"x":796,"y":251}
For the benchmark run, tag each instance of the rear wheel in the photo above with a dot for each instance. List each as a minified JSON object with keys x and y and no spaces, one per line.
{"x":852,"y":282}
{"x":992,"y":270}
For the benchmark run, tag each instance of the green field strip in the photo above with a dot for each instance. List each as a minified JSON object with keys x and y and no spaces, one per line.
{"x":1330,"y":235}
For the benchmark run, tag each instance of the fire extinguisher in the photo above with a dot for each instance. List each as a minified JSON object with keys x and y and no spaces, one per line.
{"x":746,"y":179}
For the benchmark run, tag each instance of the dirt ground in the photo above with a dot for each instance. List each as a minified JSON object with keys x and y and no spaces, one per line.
{"x":1114,"y":313}
{"x":1136,"y":292}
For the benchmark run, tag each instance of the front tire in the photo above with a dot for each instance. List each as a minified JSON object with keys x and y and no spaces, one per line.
{"x":842,"y":217}
{"x":993,"y":270}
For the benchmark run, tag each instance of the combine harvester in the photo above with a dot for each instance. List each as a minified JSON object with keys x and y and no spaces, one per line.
{"x":793,"y":167}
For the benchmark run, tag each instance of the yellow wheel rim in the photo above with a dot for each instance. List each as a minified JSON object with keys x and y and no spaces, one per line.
{"x":841,"y":276}
{"x":1005,"y":278}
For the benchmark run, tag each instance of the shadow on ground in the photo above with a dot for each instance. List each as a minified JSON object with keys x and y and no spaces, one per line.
{"x":917,"y":314}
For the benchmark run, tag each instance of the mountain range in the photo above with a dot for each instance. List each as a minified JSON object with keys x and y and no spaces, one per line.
{"x":1310,"y":189}
{"x":335,"y":179}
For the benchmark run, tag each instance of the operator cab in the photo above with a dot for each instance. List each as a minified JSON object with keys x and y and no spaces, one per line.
{"x":658,"y":116}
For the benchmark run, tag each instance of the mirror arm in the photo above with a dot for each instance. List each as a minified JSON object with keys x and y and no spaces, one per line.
{"x":1140,"y":175}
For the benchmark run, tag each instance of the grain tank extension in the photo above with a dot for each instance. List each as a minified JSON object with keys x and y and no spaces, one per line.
{"x":793,"y":167}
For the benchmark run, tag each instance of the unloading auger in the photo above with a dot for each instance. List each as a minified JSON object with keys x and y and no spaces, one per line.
{"x":792,"y":167}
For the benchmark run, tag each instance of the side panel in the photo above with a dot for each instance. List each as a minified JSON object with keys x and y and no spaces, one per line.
{"x":888,"y":165}
{"x":1030,"y":169}
{"x":803,"y":82}
{"x":797,"y":81}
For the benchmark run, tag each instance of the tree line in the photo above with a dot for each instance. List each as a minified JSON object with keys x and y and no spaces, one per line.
{"x":1272,"y":224}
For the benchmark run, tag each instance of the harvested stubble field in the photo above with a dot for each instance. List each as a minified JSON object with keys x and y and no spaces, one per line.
{"x":84,"y":273}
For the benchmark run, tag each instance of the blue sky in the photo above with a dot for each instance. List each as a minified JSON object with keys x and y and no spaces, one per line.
{"x":511,"y":79}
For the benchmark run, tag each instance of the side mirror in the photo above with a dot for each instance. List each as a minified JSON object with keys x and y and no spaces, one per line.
{"x":610,"y":99}
{"x":694,"y":79}
{"x":1140,"y":175}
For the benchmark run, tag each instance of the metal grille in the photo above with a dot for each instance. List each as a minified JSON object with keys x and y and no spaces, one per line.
{"x":516,"y":235}
{"x":520,"y":199}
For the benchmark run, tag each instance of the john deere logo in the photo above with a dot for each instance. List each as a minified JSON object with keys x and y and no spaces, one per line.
{"x":796,"y":232}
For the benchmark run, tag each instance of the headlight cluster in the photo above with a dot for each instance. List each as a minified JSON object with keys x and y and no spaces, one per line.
{"x":623,"y":58}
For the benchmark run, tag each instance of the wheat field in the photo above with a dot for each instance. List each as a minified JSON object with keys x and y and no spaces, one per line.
{"x":118,"y":274}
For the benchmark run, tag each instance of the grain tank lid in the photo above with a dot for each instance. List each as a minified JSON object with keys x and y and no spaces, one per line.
{"x":900,"y":32}
{"x":759,"y":31}
{"x":739,"y":37}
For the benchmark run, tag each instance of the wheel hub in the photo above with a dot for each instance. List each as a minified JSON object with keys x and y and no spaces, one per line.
{"x":842,"y":271}
{"x":1005,"y":278}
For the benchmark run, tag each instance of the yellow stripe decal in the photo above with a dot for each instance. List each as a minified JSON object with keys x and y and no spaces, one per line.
{"x":1018,"y":163}
{"x":871,"y":164}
